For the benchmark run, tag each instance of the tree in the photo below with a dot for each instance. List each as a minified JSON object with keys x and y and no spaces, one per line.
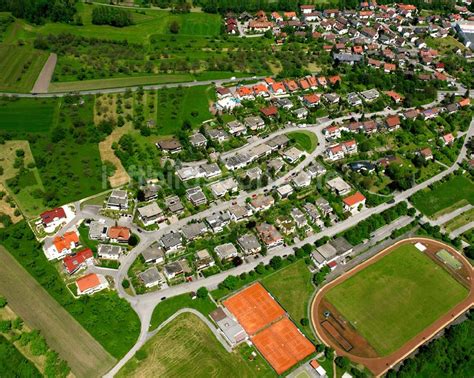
{"x":141,"y":354}
{"x":260,"y":268}
{"x":304,"y":322}
{"x":174,"y":27}
{"x":3,"y":302}
{"x":276,"y":262}
{"x":133,"y":241}
{"x":125,"y":284}
{"x":342,"y":362}
{"x":202,"y":292}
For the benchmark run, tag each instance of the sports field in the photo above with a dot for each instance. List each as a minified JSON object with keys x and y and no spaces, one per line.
{"x":394,"y":299}
{"x":186,"y":347}
{"x":443,"y":198}
{"x":64,"y":334}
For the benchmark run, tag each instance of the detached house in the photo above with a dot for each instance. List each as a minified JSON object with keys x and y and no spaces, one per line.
{"x":119,"y":234}
{"x":91,"y":283}
{"x":118,"y":200}
{"x":73,"y":263}
{"x":53,"y":218}
{"x":269,"y":235}
{"x":61,"y":245}
{"x":352,"y":202}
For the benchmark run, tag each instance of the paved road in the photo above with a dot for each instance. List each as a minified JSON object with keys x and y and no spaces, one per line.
{"x":461,"y":230}
{"x":132,"y":88}
{"x":447,"y":217}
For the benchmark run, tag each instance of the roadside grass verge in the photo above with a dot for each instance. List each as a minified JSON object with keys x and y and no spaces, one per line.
{"x":459,"y":221}
{"x":169,"y":306}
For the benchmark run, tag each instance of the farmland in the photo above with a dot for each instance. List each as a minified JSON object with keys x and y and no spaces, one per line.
{"x":19,"y":67}
{"x":27,"y":115}
{"x":394,"y":299}
{"x":201,"y":354}
{"x":31,"y":302}
{"x":292,"y":288}
{"x":442,"y":198}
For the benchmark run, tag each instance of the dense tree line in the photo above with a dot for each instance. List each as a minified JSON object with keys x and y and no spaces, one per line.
{"x":111,"y":16}
{"x":40,"y":11}
{"x":13,"y":363}
{"x":447,"y":356}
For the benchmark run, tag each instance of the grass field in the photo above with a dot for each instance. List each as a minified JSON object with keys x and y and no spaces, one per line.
{"x":292,"y":288}
{"x":305,"y":140}
{"x":152,"y":22}
{"x":175,"y":105}
{"x":19,"y":67}
{"x":64,"y":334}
{"x":27,"y":115}
{"x":454,"y":193}
{"x":169,"y":306}
{"x":396,"y":298}
{"x":186,"y":347}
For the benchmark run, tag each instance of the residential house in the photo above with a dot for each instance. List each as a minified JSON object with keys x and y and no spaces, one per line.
{"x":284,"y":191}
{"x":193,"y":230}
{"x":316,"y":169}
{"x":151,"y":214}
{"x":174,"y":204}
{"x":261,"y":202}
{"x":249,"y":244}
{"x":426,"y":153}
{"x":119,"y":234}
{"x":151,"y":277}
{"x":300,"y":113}
{"x":173,"y":269}
{"x":171,"y":242}
{"x":370,"y":95}
{"x":118,"y":200}
{"x":203,"y":260}
{"x":53,"y":218}
{"x":72,"y":263}
{"x":298,"y":217}
{"x":238,"y":213}
{"x":196,"y":196}
{"x":98,"y":230}
{"x":312,"y":211}
{"x":301,"y":180}
{"x":154,"y":254}
{"x":91,"y":283}
{"x":109,"y":251}
{"x":278,"y":142}
{"x":61,"y":245}
{"x":198,"y":140}
{"x":236,"y":128}
{"x":150,"y":192}
{"x":392,"y":122}
{"x":448,"y":139}
{"x":353,"y":202}
{"x":221,"y":188}
{"x":226,"y":251}
{"x":269,"y":235}
{"x":218,"y":221}
{"x":171,"y":146}
{"x":292,"y":155}
{"x":339,"y":186}
{"x":254,"y":123}
{"x":324,"y":206}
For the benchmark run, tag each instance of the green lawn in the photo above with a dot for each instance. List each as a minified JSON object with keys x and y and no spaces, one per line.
{"x":397,"y":297}
{"x":186,"y":347}
{"x":305,"y":140}
{"x":454,"y":193}
{"x":459,"y":221}
{"x":19,"y":67}
{"x":175,"y":105}
{"x":28,"y":115}
{"x":292,"y":288}
{"x":169,"y":306}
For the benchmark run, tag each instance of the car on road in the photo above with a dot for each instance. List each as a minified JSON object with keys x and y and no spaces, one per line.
{"x":391,"y":201}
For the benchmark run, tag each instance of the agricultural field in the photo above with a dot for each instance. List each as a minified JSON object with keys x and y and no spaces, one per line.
{"x":38,"y":309}
{"x":202,"y":354}
{"x":19,"y":67}
{"x":443,"y":199}
{"x":27,"y":115}
{"x":305,"y":140}
{"x":177,"y":105}
{"x":394,"y":299}
{"x":292,"y":288}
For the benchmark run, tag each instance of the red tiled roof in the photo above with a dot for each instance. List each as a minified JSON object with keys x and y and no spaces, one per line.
{"x":64,"y":242}
{"x":72,"y":263}
{"x":88,"y":281}
{"x":119,"y":233}
{"x":393,"y":121}
{"x":49,"y":216}
{"x":464,"y":102}
{"x":354,"y":199}
{"x":312,"y":98}
{"x":269,"y":111}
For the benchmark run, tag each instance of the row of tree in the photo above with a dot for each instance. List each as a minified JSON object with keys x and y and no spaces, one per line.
{"x":111,"y":16}
{"x":40,"y":11}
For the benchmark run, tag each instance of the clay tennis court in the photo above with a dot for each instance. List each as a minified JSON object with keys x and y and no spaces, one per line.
{"x":283,"y":345}
{"x":254,"y":308}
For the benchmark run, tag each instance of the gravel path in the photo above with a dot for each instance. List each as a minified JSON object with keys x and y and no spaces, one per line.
{"x":46,"y":74}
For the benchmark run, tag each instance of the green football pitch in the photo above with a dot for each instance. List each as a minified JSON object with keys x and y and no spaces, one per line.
{"x":394,"y":299}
